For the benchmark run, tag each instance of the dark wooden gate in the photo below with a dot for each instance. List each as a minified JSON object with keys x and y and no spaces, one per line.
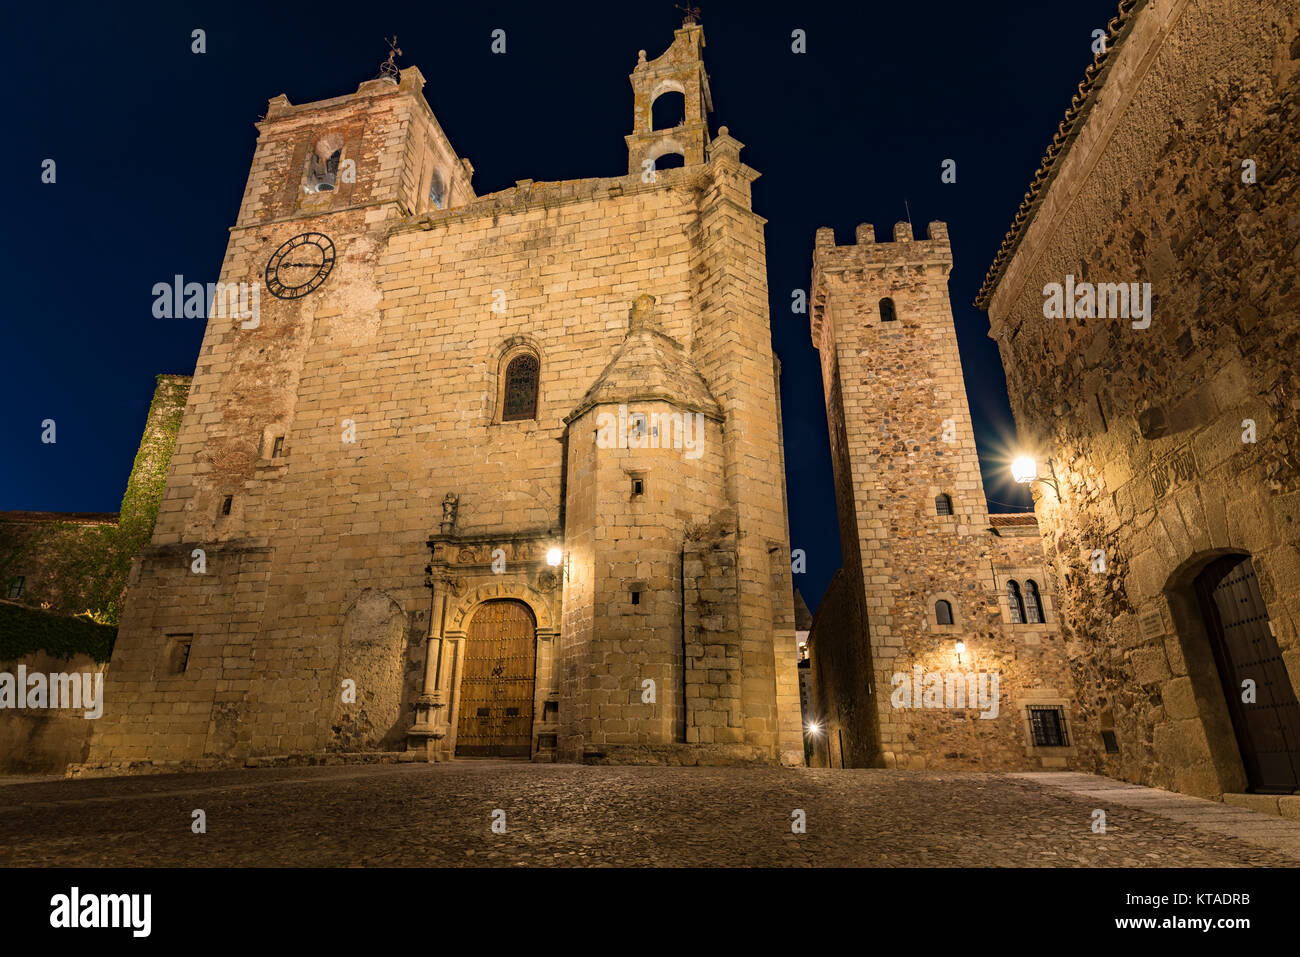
{"x":496,"y":685}
{"x":1268,"y":731}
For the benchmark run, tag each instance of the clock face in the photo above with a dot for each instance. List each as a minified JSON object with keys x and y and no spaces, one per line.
{"x":299,"y":266}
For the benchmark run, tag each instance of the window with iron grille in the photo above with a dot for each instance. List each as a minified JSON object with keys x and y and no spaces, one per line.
{"x":1047,"y":723}
{"x":943,"y":505}
{"x":521,"y":388}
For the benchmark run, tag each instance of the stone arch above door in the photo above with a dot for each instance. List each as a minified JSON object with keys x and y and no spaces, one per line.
{"x":540,"y":604}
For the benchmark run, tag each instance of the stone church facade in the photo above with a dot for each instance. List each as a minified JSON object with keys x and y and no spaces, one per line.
{"x":1174,"y":435}
{"x":495,"y":475}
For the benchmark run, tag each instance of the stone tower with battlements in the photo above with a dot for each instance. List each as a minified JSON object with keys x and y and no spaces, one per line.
{"x":937,"y":644}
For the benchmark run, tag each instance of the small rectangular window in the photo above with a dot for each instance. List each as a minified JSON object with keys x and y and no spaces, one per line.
{"x":636,"y":596}
{"x":178,"y":653}
{"x":277,"y":448}
{"x":638,"y":486}
{"x":1047,"y":722}
{"x":225,"y":506}
{"x":1108,"y":739}
{"x":16,"y":587}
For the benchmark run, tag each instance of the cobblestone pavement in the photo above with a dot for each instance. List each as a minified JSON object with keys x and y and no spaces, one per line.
{"x":438,"y":815}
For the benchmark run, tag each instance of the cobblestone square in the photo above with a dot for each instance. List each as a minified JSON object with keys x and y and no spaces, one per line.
{"x":572,"y":815}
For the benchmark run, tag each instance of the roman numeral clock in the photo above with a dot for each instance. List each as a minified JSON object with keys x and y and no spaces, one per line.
{"x":299,"y":265}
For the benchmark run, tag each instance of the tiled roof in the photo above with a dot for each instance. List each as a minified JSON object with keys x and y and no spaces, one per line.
{"x":74,"y":518}
{"x":1080,"y":106}
{"x":1013,"y":518}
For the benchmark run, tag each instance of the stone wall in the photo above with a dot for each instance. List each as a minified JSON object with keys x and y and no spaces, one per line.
{"x":49,"y":739}
{"x":1173,"y":442}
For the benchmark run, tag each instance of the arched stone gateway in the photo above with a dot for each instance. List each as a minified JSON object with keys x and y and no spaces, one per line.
{"x":1257,"y":688}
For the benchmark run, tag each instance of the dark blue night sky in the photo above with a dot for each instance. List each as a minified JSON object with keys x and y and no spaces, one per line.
{"x":153,"y":144}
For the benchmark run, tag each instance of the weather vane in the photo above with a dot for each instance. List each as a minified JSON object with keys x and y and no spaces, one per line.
{"x":690,"y":15}
{"x":389,"y":67}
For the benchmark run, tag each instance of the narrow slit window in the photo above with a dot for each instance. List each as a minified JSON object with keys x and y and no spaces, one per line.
{"x":636,"y":596}
{"x":178,"y":653}
{"x":943,"y":612}
{"x":277,"y":447}
{"x":226,"y":504}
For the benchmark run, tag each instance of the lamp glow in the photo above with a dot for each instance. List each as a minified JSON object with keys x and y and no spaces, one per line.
{"x":554,"y":556}
{"x":1024,"y":470}
{"x":961,"y":647}
{"x":814,"y":727}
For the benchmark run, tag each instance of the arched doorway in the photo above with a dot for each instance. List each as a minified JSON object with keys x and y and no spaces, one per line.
{"x":496,"y":685}
{"x":1245,"y":650}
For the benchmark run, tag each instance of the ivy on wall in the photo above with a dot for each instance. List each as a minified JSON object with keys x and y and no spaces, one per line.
{"x":24,"y":631}
{"x":84,"y":568}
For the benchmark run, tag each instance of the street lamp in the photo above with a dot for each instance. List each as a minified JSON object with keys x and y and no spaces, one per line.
{"x":1025,"y":470}
{"x":554,"y":556}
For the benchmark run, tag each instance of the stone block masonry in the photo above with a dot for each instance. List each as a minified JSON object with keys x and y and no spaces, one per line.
{"x":926,"y":566}
{"x":370,"y":465}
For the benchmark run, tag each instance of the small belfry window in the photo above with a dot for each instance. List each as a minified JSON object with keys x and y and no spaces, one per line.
{"x":1015,"y":603}
{"x":437,"y":191}
{"x":520,"y":400}
{"x":323,"y":164}
{"x":943,"y":612}
{"x":887,"y":311}
{"x":943,"y":504}
{"x":1033,"y":603}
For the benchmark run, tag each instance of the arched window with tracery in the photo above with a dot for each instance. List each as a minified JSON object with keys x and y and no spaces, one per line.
{"x":519,"y":400}
{"x":1015,"y":602}
{"x":1033,"y":603}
